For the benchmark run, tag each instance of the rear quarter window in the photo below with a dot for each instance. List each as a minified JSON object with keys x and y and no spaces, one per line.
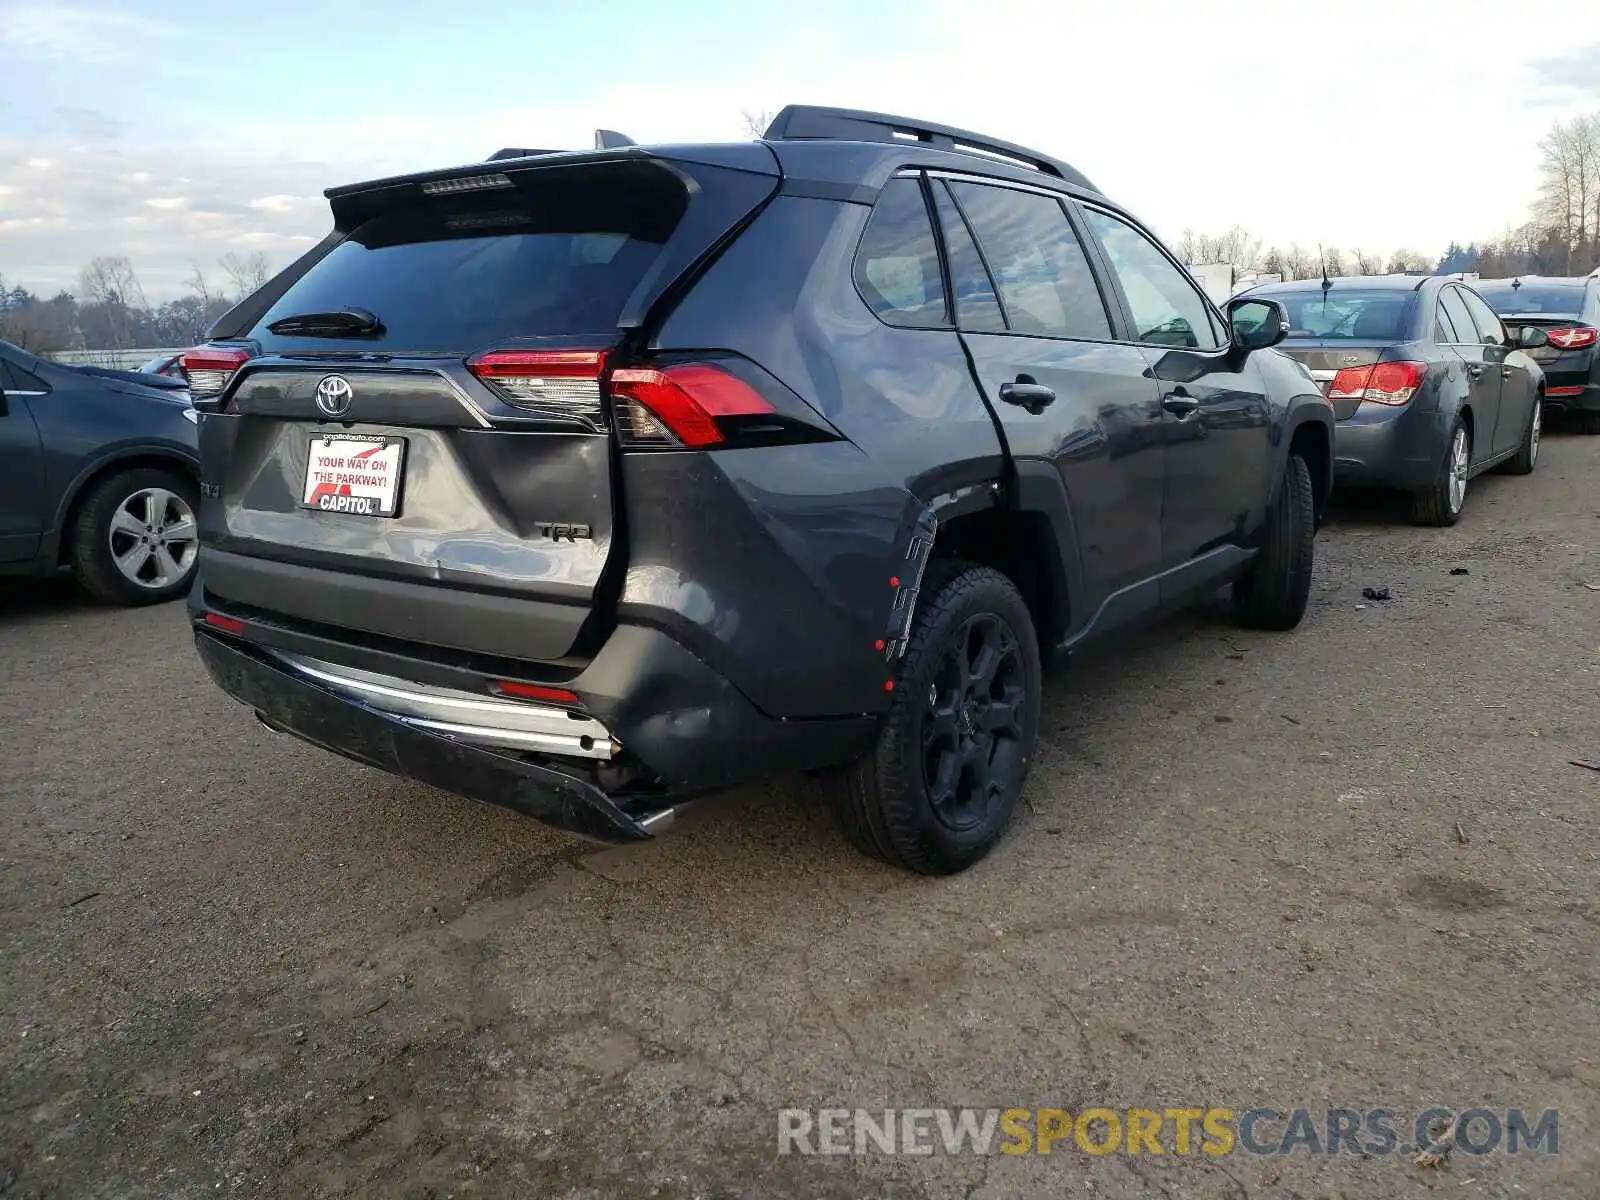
{"x":897,"y":266}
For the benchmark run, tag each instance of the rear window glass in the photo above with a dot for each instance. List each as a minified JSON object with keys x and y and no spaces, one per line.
{"x":1355,"y":315}
{"x":1556,"y":298}
{"x":897,"y":268}
{"x":457,"y":275}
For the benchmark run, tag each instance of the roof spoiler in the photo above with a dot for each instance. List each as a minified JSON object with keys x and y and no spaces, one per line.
{"x":847,"y":124}
{"x":604,"y":139}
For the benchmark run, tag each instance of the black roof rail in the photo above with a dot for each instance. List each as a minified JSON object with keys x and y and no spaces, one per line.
{"x":848,"y":124}
{"x":514,"y":152}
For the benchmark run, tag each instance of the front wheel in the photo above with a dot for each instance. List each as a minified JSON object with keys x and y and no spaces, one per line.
{"x":1273,"y":593}
{"x":936,"y":792}
{"x":1441,"y":502}
{"x":135,"y":539}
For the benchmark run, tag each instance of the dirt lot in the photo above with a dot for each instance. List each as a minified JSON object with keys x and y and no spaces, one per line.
{"x":235,"y":965}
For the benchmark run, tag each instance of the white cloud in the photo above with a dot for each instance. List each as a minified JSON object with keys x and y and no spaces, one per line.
{"x":79,"y":34}
{"x":41,"y":164}
{"x":167,"y":202}
{"x":281,"y":203}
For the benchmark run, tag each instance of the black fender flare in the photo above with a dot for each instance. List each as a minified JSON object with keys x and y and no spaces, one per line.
{"x":1301,"y":412}
{"x":182,"y":460}
{"x":1041,"y":492}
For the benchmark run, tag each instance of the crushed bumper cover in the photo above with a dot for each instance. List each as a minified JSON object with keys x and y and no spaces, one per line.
{"x":349,"y":728}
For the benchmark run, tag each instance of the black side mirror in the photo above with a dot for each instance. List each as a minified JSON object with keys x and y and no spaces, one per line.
{"x":1257,"y":322}
{"x":1531,"y":337}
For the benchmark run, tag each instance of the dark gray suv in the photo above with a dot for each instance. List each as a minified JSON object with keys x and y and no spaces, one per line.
{"x":584,"y":483}
{"x":99,"y":474}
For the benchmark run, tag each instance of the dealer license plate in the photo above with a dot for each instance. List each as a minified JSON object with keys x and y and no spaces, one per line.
{"x":354,"y":473}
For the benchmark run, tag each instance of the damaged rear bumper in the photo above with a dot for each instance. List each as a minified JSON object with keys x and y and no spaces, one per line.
{"x":295,"y":703}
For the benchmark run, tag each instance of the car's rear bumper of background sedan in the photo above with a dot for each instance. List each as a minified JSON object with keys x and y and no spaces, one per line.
{"x":1382,"y":446}
{"x":1564,"y":395}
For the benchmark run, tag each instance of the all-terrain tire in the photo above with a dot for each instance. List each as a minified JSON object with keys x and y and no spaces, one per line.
{"x":89,"y":551}
{"x":884,"y":802}
{"x":1272,"y":594}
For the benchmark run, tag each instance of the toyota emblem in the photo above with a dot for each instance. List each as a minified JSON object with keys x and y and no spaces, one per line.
{"x":334,"y":395}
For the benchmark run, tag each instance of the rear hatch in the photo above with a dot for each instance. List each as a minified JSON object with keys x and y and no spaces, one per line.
{"x":416,"y":445}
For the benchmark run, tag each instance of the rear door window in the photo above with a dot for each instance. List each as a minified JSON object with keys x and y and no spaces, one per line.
{"x":1459,"y":319}
{"x":1039,"y":267}
{"x":897,"y":266}
{"x":1167,"y":309}
{"x":1490,"y":331}
{"x":977,"y":306}
{"x":460,"y":273}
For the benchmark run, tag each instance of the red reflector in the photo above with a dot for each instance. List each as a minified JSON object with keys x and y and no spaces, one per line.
{"x":535,"y":691}
{"x":226,"y":624}
{"x":1573,"y":337}
{"x":684,"y":402}
{"x":209,"y":369}
{"x":1563,"y":391}
{"x":542,"y":364}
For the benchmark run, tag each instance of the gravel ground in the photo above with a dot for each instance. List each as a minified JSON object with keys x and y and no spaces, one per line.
{"x":236,"y":965}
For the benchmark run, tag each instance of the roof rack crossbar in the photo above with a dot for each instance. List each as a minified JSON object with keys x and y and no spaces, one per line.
{"x":847,"y":124}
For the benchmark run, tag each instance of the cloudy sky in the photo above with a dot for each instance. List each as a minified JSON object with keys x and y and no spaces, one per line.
{"x":173,"y":132}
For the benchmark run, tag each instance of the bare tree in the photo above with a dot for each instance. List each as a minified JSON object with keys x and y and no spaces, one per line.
{"x":1569,"y":186}
{"x":1236,"y":248}
{"x":755,"y":123}
{"x":1367,"y":263}
{"x":198,"y":286}
{"x":1333,"y":262}
{"x":1298,"y":264}
{"x":246,"y":272}
{"x":1403,"y":260}
{"x":110,"y":284}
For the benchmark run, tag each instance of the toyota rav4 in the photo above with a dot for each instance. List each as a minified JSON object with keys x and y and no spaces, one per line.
{"x":586,"y":482}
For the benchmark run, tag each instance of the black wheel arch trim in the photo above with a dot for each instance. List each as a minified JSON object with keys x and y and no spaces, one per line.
{"x":1040,"y":490}
{"x":1302,"y":413}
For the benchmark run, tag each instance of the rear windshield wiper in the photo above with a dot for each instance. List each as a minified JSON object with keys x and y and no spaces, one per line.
{"x":347,"y":322}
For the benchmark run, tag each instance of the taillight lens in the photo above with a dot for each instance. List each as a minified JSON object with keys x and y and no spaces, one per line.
{"x":1395,"y":382}
{"x":563,"y":385}
{"x":1392,"y":383}
{"x":210,"y":369}
{"x":1349,"y":383}
{"x":1573,"y":337}
{"x":680,"y":405}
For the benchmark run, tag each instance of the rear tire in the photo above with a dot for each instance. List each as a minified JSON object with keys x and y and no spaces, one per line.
{"x":1441,"y":503}
{"x":1527,"y":455}
{"x":1273,"y":593}
{"x":938,"y":789}
{"x":134,"y":540}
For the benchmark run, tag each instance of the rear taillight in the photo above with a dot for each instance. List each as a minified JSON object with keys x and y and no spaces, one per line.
{"x":563,"y":385}
{"x":210,"y":369}
{"x":1573,"y":337}
{"x":1392,"y":383}
{"x":680,"y":405}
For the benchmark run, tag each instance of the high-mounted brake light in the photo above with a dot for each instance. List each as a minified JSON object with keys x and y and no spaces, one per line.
{"x":679,"y":405}
{"x":209,"y":369}
{"x":1391,"y":383}
{"x":563,"y":385}
{"x":466,"y":183}
{"x":1573,"y":337}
